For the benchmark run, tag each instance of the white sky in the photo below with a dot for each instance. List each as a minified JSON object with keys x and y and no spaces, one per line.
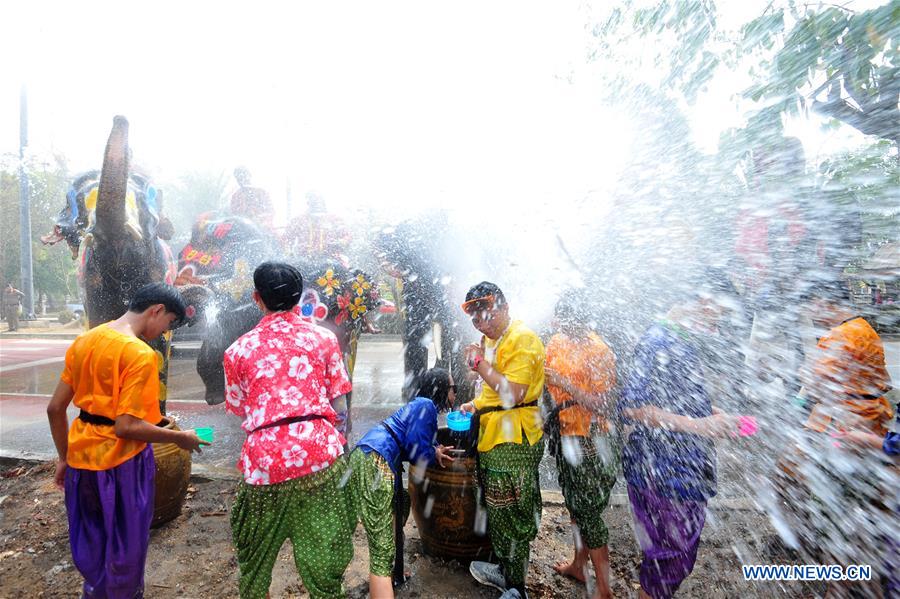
{"x":401,"y":105}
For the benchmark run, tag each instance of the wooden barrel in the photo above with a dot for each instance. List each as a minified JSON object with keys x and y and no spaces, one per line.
{"x":173,"y":471}
{"x":444,"y":505}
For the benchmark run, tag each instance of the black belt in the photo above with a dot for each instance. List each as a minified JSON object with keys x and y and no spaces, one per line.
{"x":552,"y":425}
{"x":474,"y":431}
{"x":95,"y":419}
{"x":398,"y":576}
{"x":290,"y":420}
{"x":871,"y":397}
{"x":527,"y":404}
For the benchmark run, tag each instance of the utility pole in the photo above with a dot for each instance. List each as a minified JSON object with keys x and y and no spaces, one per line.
{"x":25,"y":212}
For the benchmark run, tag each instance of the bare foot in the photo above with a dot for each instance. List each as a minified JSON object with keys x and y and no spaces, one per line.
{"x":571,"y":569}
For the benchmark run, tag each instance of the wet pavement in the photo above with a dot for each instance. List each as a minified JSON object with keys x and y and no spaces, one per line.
{"x":29,"y":370}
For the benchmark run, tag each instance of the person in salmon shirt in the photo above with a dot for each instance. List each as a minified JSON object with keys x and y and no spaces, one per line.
{"x":580,"y":372}
{"x":106,"y":463}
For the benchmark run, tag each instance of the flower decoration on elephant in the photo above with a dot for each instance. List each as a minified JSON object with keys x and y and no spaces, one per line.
{"x":347,"y":294}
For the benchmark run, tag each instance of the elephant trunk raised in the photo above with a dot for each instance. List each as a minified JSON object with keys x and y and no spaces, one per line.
{"x":121,"y":256}
{"x":113,"y":182}
{"x":119,"y":259}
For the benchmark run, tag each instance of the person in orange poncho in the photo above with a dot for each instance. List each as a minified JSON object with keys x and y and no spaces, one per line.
{"x":847,"y":379}
{"x":838,"y":495}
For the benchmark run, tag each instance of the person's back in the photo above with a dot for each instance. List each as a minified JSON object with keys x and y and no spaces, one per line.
{"x":414,"y":426}
{"x":285,"y":368}
{"x":112,"y":374}
{"x":283,"y":378}
{"x":408,"y":435}
{"x":853,"y":360}
{"x":106,"y":462}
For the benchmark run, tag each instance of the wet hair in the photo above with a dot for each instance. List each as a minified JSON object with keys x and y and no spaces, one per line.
{"x":484,"y":289}
{"x":159,"y":293}
{"x":279,"y":285}
{"x":434,"y":384}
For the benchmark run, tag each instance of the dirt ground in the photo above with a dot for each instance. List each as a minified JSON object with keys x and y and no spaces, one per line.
{"x":192,"y":555}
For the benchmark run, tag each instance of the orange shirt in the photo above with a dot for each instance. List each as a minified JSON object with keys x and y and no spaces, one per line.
{"x":850,"y":367}
{"x":591,"y":366}
{"x":112,"y":374}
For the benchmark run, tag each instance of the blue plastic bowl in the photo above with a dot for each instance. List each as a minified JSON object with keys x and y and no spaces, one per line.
{"x":459,"y":422}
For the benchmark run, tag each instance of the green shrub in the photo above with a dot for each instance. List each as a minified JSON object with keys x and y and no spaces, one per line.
{"x":66,"y":316}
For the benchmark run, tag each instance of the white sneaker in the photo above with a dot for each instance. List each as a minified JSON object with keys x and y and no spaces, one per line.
{"x":489,"y":574}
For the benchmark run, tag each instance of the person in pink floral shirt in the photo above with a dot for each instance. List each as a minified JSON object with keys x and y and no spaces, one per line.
{"x":285,"y":378}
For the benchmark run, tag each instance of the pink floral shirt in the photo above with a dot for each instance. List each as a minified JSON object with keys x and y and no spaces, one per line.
{"x":283,"y":368}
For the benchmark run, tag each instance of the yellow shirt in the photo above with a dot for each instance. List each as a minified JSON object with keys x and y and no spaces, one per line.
{"x":112,"y":374}
{"x":519,"y":356}
{"x":591,"y":366}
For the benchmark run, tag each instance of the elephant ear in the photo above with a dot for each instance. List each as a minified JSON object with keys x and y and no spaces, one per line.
{"x":197,"y":297}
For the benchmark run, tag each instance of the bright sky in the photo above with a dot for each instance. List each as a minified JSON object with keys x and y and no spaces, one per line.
{"x":397,"y":105}
{"x":401,"y":105}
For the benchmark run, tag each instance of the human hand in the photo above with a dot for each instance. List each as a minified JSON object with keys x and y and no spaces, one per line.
{"x":474,"y":354}
{"x":59,"y":477}
{"x":552,"y":377}
{"x":442,"y":455}
{"x":189,"y":441}
{"x":468,"y":407}
{"x":717,"y":425}
{"x":860,"y":438}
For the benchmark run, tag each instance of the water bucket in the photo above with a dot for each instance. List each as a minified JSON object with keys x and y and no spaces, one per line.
{"x":173,"y":471}
{"x":459,"y":422}
{"x":445,"y":507}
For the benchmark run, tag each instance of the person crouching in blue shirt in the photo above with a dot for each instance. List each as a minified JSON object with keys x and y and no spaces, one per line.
{"x":408,"y":435}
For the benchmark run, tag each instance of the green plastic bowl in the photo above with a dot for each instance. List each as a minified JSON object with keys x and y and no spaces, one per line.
{"x":205,"y":434}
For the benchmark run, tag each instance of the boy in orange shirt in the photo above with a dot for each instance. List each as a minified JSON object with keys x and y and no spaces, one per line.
{"x":106,"y":461}
{"x":580,"y":371}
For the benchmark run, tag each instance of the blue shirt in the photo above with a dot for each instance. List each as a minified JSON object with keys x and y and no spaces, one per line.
{"x":667,"y":373}
{"x":415,"y":426}
{"x":891,"y":444}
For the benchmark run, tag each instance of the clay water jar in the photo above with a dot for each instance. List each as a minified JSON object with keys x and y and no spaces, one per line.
{"x":173,"y":471}
{"x":444,"y":505}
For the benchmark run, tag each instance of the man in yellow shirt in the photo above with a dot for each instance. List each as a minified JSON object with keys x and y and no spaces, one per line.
{"x":105,"y":463}
{"x":510,"y":361}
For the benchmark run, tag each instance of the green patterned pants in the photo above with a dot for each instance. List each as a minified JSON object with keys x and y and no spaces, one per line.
{"x":586,"y":486}
{"x":372,"y":494}
{"x":313,"y":511}
{"x":513,"y":498}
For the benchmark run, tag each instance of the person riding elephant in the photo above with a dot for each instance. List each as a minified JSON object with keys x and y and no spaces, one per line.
{"x":113,"y":221}
{"x":411,"y":252}
{"x":216,"y":269}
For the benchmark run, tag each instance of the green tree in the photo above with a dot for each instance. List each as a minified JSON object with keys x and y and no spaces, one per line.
{"x":54,"y":270}
{"x":838,"y":62}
